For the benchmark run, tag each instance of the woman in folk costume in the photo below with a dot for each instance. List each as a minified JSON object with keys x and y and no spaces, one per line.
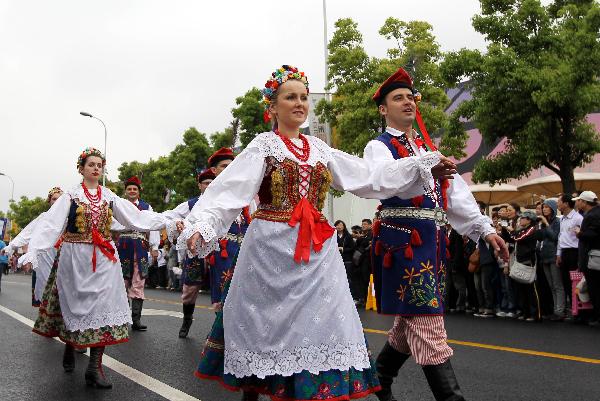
{"x":85,"y":303}
{"x":193,"y":268}
{"x":291,"y":329}
{"x":409,"y":252}
{"x":46,"y":257}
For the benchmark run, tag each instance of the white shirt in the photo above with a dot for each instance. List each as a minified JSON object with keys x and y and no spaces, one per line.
{"x":566,"y":237}
{"x":236,"y":186}
{"x":463,"y":211}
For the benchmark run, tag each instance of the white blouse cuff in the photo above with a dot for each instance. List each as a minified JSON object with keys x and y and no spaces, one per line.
{"x":207,"y":233}
{"x":8,"y":250}
{"x":426,"y":162}
{"x":171,"y":229}
{"x":29,"y":257}
{"x":481,"y":228}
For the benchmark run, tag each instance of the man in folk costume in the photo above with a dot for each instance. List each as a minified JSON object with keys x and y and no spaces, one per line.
{"x":133,"y":249}
{"x":221,"y":260}
{"x":194,"y":267}
{"x":409,"y":245}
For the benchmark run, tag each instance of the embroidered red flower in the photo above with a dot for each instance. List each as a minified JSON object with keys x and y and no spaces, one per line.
{"x":357,"y":386}
{"x":107,"y":337}
{"x":324,"y":389}
{"x":280,"y":390}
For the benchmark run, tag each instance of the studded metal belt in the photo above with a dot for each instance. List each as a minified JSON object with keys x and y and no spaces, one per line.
{"x":134,"y":235}
{"x":438,"y":214}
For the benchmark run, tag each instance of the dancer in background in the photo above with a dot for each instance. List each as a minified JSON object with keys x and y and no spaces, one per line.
{"x":39,"y":276}
{"x":193,"y":267}
{"x":133,"y":249}
{"x":85,"y":302}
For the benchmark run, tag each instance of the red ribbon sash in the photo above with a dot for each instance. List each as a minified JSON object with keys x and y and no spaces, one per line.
{"x":105,"y":247}
{"x":312,"y":230}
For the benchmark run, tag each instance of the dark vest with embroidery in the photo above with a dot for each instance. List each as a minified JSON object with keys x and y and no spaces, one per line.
{"x":409,"y":254}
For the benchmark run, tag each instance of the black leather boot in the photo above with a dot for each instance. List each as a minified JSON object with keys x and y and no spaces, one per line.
{"x":249,"y":396}
{"x":388,"y":363}
{"x":188,"y":318}
{"x":136,"y":314}
{"x":94,"y":375}
{"x":69,"y":358}
{"x":442,"y":382}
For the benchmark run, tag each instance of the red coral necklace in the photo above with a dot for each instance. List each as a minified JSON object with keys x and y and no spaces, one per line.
{"x":301,"y":153}
{"x":94,"y":210}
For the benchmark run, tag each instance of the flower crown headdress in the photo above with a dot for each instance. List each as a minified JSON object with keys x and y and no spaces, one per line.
{"x":278,"y":77}
{"x":90,"y":152}
{"x":55,"y":190}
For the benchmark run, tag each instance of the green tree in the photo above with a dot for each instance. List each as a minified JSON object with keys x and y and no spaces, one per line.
{"x":174,"y":174}
{"x":25,"y":210}
{"x":249,"y":113}
{"x":534,"y":86}
{"x":223,"y":139}
{"x":354,"y":76}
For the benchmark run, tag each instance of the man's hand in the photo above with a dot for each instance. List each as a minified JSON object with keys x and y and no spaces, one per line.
{"x":217,"y":306}
{"x":499,"y":246}
{"x":558,"y":260}
{"x":26,"y":267}
{"x":154,"y":254}
{"x":444,"y":169}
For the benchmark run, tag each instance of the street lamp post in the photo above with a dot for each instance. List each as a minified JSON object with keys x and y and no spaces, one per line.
{"x":83,"y":113}
{"x":327,"y":94}
{"x":12,"y":192}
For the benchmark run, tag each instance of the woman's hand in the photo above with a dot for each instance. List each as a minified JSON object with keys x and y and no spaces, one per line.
{"x":179,"y":225}
{"x":446,"y":168}
{"x":192,"y":241}
{"x":26,"y":267}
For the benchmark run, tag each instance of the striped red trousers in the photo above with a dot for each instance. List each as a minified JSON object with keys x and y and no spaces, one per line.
{"x":422,"y":336}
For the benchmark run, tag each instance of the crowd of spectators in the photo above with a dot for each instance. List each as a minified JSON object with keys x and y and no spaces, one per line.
{"x":559,"y":237}
{"x":355,"y":248}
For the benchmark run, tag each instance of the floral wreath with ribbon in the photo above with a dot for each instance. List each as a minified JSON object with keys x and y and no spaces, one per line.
{"x":89,"y":152}
{"x":279,"y":77}
{"x":55,"y":190}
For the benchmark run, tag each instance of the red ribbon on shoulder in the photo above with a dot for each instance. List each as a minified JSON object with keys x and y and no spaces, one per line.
{"x":105,"y":247}
{"x":312,"y":230}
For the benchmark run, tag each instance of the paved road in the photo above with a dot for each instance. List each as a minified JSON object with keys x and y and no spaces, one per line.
{"x":494,"y":359}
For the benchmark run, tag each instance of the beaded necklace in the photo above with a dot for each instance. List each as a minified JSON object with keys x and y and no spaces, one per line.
{"x":93,"y":212}
{"x":301,"y":153}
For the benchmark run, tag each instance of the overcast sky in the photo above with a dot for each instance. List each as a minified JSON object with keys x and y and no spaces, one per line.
{"x":151,"y":69}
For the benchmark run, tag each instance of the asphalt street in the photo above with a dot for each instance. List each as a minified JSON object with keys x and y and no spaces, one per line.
{"x":494,"y":359}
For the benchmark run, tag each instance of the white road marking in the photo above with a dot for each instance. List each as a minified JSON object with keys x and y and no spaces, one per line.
{"x":161,"y":312}
{"x":152,"y":384}
{"x":15,"y":282}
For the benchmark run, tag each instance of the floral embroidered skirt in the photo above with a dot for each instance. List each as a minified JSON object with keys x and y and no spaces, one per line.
{"x":331,"y":385}
{"x":50,"y":322}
